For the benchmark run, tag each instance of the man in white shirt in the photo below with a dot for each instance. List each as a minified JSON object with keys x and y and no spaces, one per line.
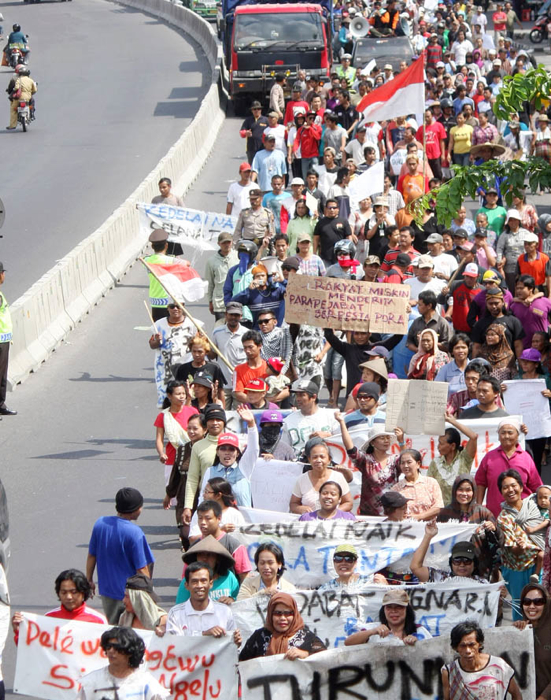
{"x":480,"y":18}
{"x":277,"y":130}
{"x":227,"y":339}
{"x":309,"y":420}
{"x":238,"y":192}
{"x":201,"y":616}
{"x":424,"y":270}
{"x":444,"y":265}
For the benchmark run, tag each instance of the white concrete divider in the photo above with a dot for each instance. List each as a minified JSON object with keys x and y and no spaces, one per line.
{"x":51,"y":308}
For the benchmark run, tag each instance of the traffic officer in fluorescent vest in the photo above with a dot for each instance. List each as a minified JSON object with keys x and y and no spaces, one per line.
{"x":254,"y":223}
{"x":5,"y":340}
{"x":158,"y":297}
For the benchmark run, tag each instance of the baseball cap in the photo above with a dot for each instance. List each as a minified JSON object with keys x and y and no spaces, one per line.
{"x":244,"y":166}
{"x":273,"y":114}
{"x":372,"y":260}
{"x":434,"y":238}
{"x":403,"y":260}
{"x":305,"y":385}
{"x":397,"y":597}
{"x":463,"y":549}
{"x":229,"y":439}
{"x":269,"y":137}
{"x":292,"y":263}
{"x":371,"y":389}
{"x":330,"y":149}
{"x":490,"y":275}
{"x":234,"y":307}
{"x":393,"y":499}
{"x":256,"y":385}
{"x":346,"y":549}
{"x":497,"y":62}
{"x":378,"y":351}
{"x":460,"y":233}
{"x":466,"y":245}
{"x":530,"y":237}
{"x":424,"y":261}
{"x":276,"y":364}
{"x":531,"y":354}
{"x":440,"y":64}
{"x":297,"y":87}
{"x":481,"y":232}
{"x":387,"y":66}
{"x":471,"y":270}
{"x":271,"y":417}
{"x":303,"y":237}
{"x":203,"y":379}
{"x":297,"y":181}
{"x":224,"y":237}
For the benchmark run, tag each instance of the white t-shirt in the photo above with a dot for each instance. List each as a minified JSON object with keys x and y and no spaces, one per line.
{"x":420,"y":633}
{"x":297,"y":427}
{"x":308,"y":495}
{"x":279,"y":132}
{"x":184,"y":620}
{"x":229,"y":516}
{"x":434,"y":285}
{"x":139,"y":684}
{"x":238,"y":195}
{"x":445,"y":264}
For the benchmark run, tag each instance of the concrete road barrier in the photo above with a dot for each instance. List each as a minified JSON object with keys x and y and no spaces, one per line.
{"x":50,"y":309}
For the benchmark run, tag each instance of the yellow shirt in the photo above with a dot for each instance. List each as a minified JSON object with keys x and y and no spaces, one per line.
{"x":462,"y":138}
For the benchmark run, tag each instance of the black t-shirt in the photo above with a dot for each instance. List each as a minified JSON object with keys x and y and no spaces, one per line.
{"x":257,"y":126}
{"x":475,"y":412}
{"x":513,"y":329}
{"x":330,"y":231}
{"x":188,"y":371}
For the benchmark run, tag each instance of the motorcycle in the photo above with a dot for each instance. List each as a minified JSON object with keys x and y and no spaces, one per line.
{"x":17,"y":55}
{"x":24,"y":116}
{"x":541,"y":29}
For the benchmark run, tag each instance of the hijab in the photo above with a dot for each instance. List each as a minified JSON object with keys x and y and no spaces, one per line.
{"x":542,"y":640}
{"x":500,"y":356}
{"x":145,"y":609}
{"x":423,"y":365}
{"x":279,"y":643}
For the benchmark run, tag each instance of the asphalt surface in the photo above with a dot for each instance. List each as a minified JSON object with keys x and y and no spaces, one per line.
{"x":116,"y":88}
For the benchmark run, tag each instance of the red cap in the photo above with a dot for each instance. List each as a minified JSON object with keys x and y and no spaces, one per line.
{"x":229,"y":439}
{"x":256,"y":385}
{"x":276,"y":364}
{"x":244,"y":166}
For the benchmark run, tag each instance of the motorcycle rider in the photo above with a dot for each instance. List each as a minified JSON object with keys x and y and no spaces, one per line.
{"x":18,"y":40}
{"x":28,"y":88}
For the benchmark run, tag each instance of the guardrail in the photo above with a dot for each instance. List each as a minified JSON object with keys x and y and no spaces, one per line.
{"x":52,"y":307}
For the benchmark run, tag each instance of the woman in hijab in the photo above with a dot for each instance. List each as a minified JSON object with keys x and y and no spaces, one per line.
{"x":498,"y":352}
{"x":487,"y":539}
{"x":428,"y":360}
{"x":141,"y":609}
{"x":284,"y":633}
{"x":535,"y":606}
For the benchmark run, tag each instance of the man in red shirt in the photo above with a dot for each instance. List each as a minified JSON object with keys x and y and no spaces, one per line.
{"x":254,"y":368}
{"x":295,"y":103}
{"x":534,"y":263}
{"x":308,"y":139}
{"x":435,"y":137}
{"x":405,"y":245}
{"x":499,"y":19}
{"x":73,"y":590}
{"x":462,"y":293}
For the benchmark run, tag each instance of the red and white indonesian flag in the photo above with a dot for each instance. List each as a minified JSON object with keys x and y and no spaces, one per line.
{"x":180,"y":280}
{"x":403,"y":95}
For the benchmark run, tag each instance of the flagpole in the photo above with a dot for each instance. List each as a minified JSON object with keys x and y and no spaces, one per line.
{"x":425,"y":160}
{"x":186,"y":313}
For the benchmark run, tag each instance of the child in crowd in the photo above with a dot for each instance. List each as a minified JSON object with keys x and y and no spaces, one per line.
{"x":537,"y":528}
{"x":276,"y":381}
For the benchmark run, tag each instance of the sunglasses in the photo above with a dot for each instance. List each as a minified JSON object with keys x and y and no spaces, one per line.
{"x":348,"y":558}
{"x":461,"y":560}
{"x":172,"y":306}
{"x":332,"y":207}
{"x":534,"y":601}
{"x":111,"y":645}
{"x":283,"y":613}
{"x":265,"y":320}
{"x":285,"y":269}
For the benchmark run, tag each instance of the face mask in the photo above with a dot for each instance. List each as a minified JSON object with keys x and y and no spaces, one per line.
{"x":269,"y":434}
{"x":243,"y":262}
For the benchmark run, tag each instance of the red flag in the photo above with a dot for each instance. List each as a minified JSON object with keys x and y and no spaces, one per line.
{"x":180,"y":280}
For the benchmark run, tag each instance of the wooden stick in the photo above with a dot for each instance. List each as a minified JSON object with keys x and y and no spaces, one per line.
{"x":150,"y":316}
{"x":186,"y":313}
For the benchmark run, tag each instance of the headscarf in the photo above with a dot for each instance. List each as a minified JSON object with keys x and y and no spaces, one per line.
{"x":542,"y":639}
{"x":500,"y":356}
{"x":279,"y":643}
{"x":145,"y":608}
{"x":423,"y":365}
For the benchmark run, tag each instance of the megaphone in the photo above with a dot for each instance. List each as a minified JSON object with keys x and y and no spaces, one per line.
{"x":359,"y":27}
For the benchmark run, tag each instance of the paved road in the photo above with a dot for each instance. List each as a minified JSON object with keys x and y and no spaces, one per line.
{"x":116,"y":90}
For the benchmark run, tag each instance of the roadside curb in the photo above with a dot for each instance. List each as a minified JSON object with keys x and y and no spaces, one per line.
{"x":47,"y":312}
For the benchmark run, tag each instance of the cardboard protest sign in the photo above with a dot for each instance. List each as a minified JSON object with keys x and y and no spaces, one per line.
{"x":309,"y":545}
{"x":329,"y":302}
{"x":486,"y":429}
{"x":524,"y":396}
{"x":185,"y":225}
{"x":272,"y":483}
{"x":336,"y":614}
{"x":416,"y":406}
{"x":380,"y":671}
{"x":53,"y":654}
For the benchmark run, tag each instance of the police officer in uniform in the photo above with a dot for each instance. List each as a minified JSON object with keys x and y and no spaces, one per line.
{"x":254,"y":223}
{"x":5,"y":340}
{"x":158,"y":298}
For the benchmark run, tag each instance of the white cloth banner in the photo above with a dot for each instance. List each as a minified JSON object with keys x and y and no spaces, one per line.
{"x":309,"y":546}
{"x":334,"y":615}
{"x":524,"y":396}
{"x":53,"y":654}
{"x":380,"y":671}
{"x":272,"y":483}
{"x":186,"y":226}
{"x":368,"y":183}
{"x":486,"y":429}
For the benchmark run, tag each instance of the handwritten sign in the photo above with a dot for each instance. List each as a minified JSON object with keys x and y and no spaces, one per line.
{"x":336,"y":614}
{"x":185,"y":225}
{"x":59,"y":652}
{"x":309,"y":546}
{"x":524,"y":396}
{"x":347,"y":304}
{"x":272,"y":483}
{"x":380,"y":671}
{"x":416,"y":406}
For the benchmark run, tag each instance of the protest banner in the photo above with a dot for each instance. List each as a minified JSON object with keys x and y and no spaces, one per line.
{"x":336,"y":614}
{"x":272,"y":483}
{"x":372,"y":181}
{"x":380,"y":671}
{"x":524,"y":396}
{"x":417,"y":406}
{"x":329,"y":302}
{"x":309,"y":545}
{"x":52,"y":654}
{"x":486,"y":429}
{"x":190,"y":227}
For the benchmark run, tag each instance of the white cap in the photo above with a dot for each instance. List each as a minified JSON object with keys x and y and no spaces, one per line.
{"x":497,"y":62}
{"x":471,"y":270}
{"x":513,"y":214}
{"x":297,"y":181}
{"x":530,"y":237}
{"x":440,"y":64}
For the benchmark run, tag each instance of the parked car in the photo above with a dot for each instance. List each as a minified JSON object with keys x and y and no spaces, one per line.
{"x":384,"y":50}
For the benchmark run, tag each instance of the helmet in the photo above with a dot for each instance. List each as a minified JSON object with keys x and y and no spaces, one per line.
{"x":248,"y":247}
{"x":345,"y":247}
{"x":18,"y":67}
{"x":16,"y":27}
{"x":24,"y":70}
{"x":446,"y":102}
